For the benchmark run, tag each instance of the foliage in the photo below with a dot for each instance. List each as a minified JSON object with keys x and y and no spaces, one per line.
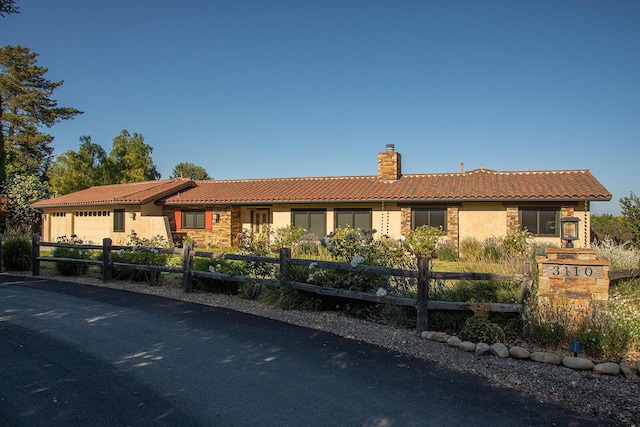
{"x":621,"y":257}
{"x":422,"y":241}
{"x":609,"y":227}
{"x":16,"y":253}
{"x":287,"y":298}
{"x":471,"y":249}
{"x":287,"y":236}
{"x":189,"y":170}
{"x":631,"y":213}
{"x":518,"y":244}
{"x":478,"y":328}
{"x":130,"y":160}
{"x":143,"y":252}
{"x":250,"y":243}
{"x":73,"y":171}
{"x":8,"y":7}
{"x":22,"y":191}
{"x":447,"y":251}
{"x":25,"y":106}
{"x":346,"y":243}
{"x":68,"y":268}
{"x":228,"y":267}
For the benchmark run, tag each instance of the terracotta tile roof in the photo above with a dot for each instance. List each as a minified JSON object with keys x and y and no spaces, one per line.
{"x":133,"y":193}
{"x":474,"y":185}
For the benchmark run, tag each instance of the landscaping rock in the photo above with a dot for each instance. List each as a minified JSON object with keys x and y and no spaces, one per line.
{"x":453,"y":341}
{"x":577,"y":363}
{"x":608,"y":368}
{"x":440,"y":337}
{"x":427,"y":334}
{"x":544,"y":357}
{"x":518,"y":352}
{"x":467,"y":346}
{"x":629,"y":371}
{"x":500,"y":350}
{"x":482,"y":348}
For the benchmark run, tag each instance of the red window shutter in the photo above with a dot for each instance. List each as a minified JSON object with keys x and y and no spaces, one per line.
{"x":178,"y":218}
{"x":208,"y":220}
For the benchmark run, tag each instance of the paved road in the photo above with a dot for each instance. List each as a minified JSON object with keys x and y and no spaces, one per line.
{"x":89,"y":356}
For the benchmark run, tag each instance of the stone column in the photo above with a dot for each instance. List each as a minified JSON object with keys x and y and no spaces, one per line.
{"x":574,"y":281}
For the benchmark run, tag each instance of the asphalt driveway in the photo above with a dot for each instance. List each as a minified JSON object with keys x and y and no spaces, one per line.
{"x":89,"y":356}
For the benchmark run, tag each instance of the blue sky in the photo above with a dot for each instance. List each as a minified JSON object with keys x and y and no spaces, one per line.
{"x":251,"y":89}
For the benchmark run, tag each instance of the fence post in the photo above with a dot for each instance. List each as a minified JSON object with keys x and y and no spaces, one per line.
{"x":422,"y":303}
{"x":187,"y":258}
{"x":107,"y":266}
{"x":285,"y":256}
{"x":527,"y":283}
{"x":35,"y":254}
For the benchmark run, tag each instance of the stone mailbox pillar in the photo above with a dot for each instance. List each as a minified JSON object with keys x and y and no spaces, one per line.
{"x":572,"y":279}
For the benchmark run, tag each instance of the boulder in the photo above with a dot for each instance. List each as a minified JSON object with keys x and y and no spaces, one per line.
{"x":518,"y":352}
{"x":629,"y":371}
{"x":544,"y":357}
{"x":500,"y":350}
{"x":483,"y":348}
{"x":467,"y":346}
{"x":427,"y":334}
{"x":440,"y":337}
{"x":453,"y":341}
{"x":608,"y":368}
{"x":577,"y":363}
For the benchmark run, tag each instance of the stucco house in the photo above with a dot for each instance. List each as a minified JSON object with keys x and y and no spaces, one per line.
{"x":479,"y":203}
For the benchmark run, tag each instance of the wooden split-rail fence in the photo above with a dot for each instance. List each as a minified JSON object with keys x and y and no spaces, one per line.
{"x":423,"y":275}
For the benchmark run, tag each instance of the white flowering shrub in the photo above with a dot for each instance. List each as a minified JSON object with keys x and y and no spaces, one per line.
{"x":621,"y":257}
{"x":69,"y":268}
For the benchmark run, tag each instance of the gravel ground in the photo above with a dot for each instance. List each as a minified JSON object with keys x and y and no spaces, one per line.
{"x":614,"y":399}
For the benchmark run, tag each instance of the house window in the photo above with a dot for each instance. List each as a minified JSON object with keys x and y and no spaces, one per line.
{"x":540,"y":222}
{"x":193,"y":219}
{"x":433,"y":217}
{"x":354,"y":218}
{"x":312,"y":220}
{"x":118,"y":220}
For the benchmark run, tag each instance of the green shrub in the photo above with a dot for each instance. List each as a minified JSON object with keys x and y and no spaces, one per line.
{"x":478,"y":328}
{"x":492,"y":249}
{"x":16,"y":253}
{"x":471,"y":249}
{"x":139,"y":256}
{"x":229,"y":267}
{"x":68,"y":268}
{"x":447,"y":251}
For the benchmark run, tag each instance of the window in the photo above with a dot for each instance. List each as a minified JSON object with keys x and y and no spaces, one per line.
{"x":354,"y":218}
{"x":312,"y":220}
{"x":433,"y":217}
{"x":540,"y":222}
{"x":118,"y":220}
{"x":193,"y":219}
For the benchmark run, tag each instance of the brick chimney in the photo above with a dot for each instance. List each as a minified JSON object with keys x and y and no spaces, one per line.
{"x":389,"y":164}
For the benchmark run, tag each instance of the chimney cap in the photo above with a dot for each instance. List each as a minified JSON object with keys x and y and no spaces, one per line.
{"x":391,"y":147}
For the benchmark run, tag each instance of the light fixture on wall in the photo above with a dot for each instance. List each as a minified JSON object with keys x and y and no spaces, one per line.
{"x":216,"y":217}
{"x":569,"y":230}
{"x":132,"y":215}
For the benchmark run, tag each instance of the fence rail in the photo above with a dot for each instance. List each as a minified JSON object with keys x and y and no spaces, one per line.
{"x":423,"y":275}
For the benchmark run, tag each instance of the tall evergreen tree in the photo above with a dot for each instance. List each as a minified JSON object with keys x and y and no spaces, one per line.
{"x":26,"y":104}
{"x":8,"y":7}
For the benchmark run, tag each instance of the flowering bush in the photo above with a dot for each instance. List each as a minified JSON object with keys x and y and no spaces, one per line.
{"x":69,"y":268}
{"x":143,"y":252}
{"x":422,"y":241}
{"x":621,"y":257}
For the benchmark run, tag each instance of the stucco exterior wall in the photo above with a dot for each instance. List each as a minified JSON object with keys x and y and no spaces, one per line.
{"x":482,"y":220}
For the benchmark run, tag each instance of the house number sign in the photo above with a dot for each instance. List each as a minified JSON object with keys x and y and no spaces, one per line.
{"x":561,"y":270}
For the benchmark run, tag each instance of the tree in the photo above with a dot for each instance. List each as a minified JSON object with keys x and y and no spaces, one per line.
{"x":26,"y":105}
{"x":130,"y":160}
{"x":631,"y":213}
{"x":189,"y":170}
{"x":22,"y":191}
{"x":76,"y":171}
{"x":8,"y":7}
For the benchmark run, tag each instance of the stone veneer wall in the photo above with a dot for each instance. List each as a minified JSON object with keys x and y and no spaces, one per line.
{"x":222,"y":233}
{"x":389,"y":165}
{"x":513,"y":219}
{"x":405,"y":220}
{"x":453,"y":225}
{"x":575,"y":281}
